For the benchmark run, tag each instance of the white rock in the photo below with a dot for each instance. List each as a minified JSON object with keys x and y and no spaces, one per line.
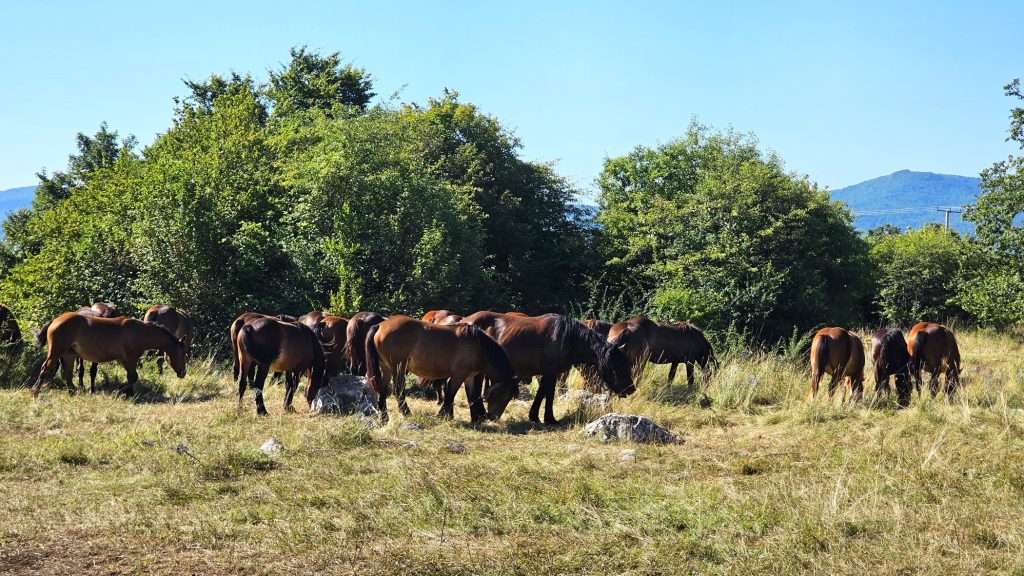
{"x":627,"y":455}
{"x":617,"y":426}
{"x":271,"y":447}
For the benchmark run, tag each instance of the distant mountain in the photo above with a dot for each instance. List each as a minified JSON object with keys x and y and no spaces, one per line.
{"x":15,"y":198}
{"x":909,"y":199}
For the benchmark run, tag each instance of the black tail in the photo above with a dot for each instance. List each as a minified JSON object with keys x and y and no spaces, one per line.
{"x":373,"y":374}
{"x":917,"y":358}
{"x":318,"y":369}
{"x":41,"y":335}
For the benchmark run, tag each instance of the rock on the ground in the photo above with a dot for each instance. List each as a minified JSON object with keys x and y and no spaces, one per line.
{"x":627,"y":455}
{"x":588,"y":399}
{"x":616,"y":426}
{"x":456,"y":447}
{"x":346,"y":394}
{"x":271,"y":446}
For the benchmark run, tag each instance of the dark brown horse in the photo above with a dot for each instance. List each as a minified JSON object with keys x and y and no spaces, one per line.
{"x":236,"y":326}
{"x":275,"y":346}
{"x":644,"y":340}
{"x":454,"y":353}
{"x":177,"y":321}
{"x":547,"y":346}
{"x":838,"y":352}
{"x":355,"y":339}
{"x":933,"y":348}
{"x":333,"y":331}
{"x":591,"y":380}
{"x":890,"y":356}
{"x":313,"y":318}
{"x":101,"y":340}
{"x":10,"y":333}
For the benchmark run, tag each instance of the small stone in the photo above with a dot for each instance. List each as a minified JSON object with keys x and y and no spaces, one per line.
{"x":627,"y":455}
{"x":456,"y":447}
{"x":412,"y":426}
{"x":409,"y":445}
{"x":271,"y":447}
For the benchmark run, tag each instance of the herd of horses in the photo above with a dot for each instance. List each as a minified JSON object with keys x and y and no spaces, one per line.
{"x":490,"y":354}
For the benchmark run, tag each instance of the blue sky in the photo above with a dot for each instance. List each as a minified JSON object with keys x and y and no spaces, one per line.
{"x":843,"y":91}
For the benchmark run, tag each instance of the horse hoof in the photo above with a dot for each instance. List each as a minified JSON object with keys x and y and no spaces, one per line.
{"x":551,"y":422}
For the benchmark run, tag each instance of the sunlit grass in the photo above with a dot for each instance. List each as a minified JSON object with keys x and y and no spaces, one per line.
{"x":170,"y":481}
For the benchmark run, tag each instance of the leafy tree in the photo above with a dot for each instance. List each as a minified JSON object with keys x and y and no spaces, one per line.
{"x":311,"y":81}
{"x":94,"y":153}
{"x":995,"y":294}
{"x":917,"y":274}
{"x":720,"y":234}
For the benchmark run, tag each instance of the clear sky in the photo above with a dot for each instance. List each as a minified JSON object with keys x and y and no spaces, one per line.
{"x":843,"y":91}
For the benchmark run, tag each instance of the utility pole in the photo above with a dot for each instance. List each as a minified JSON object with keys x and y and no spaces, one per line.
{"x":948,"y":210}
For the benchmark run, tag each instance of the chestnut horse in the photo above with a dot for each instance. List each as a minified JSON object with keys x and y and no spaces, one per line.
{"x":101,"y":340}
{"x":355,"y":339}
{"x":934,"y":348}
{"x":233,"y":330}
{"x":273,"y":345}
{"x":890,"y":356}
{"x":443,"y":318}
{"x":838,"y":352}
{"x":644,"y":340}
{"x":10,"y":333}
{"x":547,"y":346}
{"x":102,"y":310}
{"x":177,"y":321}
{"x":332,"y":331}
{"x":454,"y":353}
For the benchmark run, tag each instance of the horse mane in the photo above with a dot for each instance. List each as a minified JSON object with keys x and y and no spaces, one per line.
{"x":568,"y":331}
{"x":494,"y":355}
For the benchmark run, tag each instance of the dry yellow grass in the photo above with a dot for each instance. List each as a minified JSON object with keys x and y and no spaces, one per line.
{"x":764,"y":482}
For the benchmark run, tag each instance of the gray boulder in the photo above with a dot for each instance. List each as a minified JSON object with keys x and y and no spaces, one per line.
{"x":617,"y":426}
{"x":346,"y":394}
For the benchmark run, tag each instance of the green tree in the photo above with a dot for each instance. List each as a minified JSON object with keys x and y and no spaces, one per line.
{"x":311,"y":81}
{"x":995,"y":292}
{"x":715,"y":231}
{"x":917,"y":274}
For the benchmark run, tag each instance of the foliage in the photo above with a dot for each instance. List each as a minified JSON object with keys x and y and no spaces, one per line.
{"x":996,"y":293}
{"x":917,"y":273}
{"x":311,"y":81}
{"x":723,"y":236}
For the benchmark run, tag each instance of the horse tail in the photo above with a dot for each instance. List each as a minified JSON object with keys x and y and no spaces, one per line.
{"x":917,"y":357}
{"x":819,"y":359}
{"x":318,"y":368}
{"x":373,"y":375}
{"x":41,"y":335}
{"x":352,"y":350}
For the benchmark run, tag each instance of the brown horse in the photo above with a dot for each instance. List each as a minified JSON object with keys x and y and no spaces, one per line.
{"x":442,"y":318}
{"x":934,"y":349}
{"x":644,"y":340}
{"x":101,"y":310}
{"x":313,"y":318}
{"x":332,"y":331}
{"x":453,"y":353}
{"x":890,"y":356}
{"x":355,"y":339}
{"x":838,"y":352}
{"x":236,"y":326}
{"x":10,"y":333}
{"x":177,"y":321}
{"x":547,"y":346}
{"x":275,"y":346}
{"x":101,"y":340}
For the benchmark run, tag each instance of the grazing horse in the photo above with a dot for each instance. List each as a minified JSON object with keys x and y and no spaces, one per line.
{"x":102,"y":310}
{"x":934,"y":348}
{"x":547,"y":346}
{"x":10,"y":333}
{"x":177,"y":321}
{"x":838,"y":352}
{"x":355,"y":339}
{"x":890,"y":356}
{"x":644,"y":340}
{"x":442,"y":318}
{"x":454,"y":353}
{"x":101,"y":340}
{"x":591,"y":380}
{"x":332,"y":331}
{"x":273,"y":345}
{"x":236,"y":326}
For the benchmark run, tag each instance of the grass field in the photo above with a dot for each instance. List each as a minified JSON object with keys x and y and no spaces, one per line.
{"x":764,"y":482}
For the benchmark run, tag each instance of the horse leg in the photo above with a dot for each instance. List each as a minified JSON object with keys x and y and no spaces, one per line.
{"x":952,"y":379}
{"x":131,"y":368}
{"x":535,"y":407}
{"x":547,"y":390}
{"x":933,"y":384}
{"x":160,"y":364}
{"x":689,"y":375}
{"x":451,"y":388}
{"x":81,"y":372}
{"x":439,"y":388}
{"x":257,"y":387}
{"x":67,"y":371}
{"x":291,"y":383}
{"x":403,"y":406}
{"x":382,"y":394}
{"x":92,"y":378}
{"x":49,"y":364}
{"x":477,"y":413}
{"x":242,"y":376}
{"x":672,"y":373}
